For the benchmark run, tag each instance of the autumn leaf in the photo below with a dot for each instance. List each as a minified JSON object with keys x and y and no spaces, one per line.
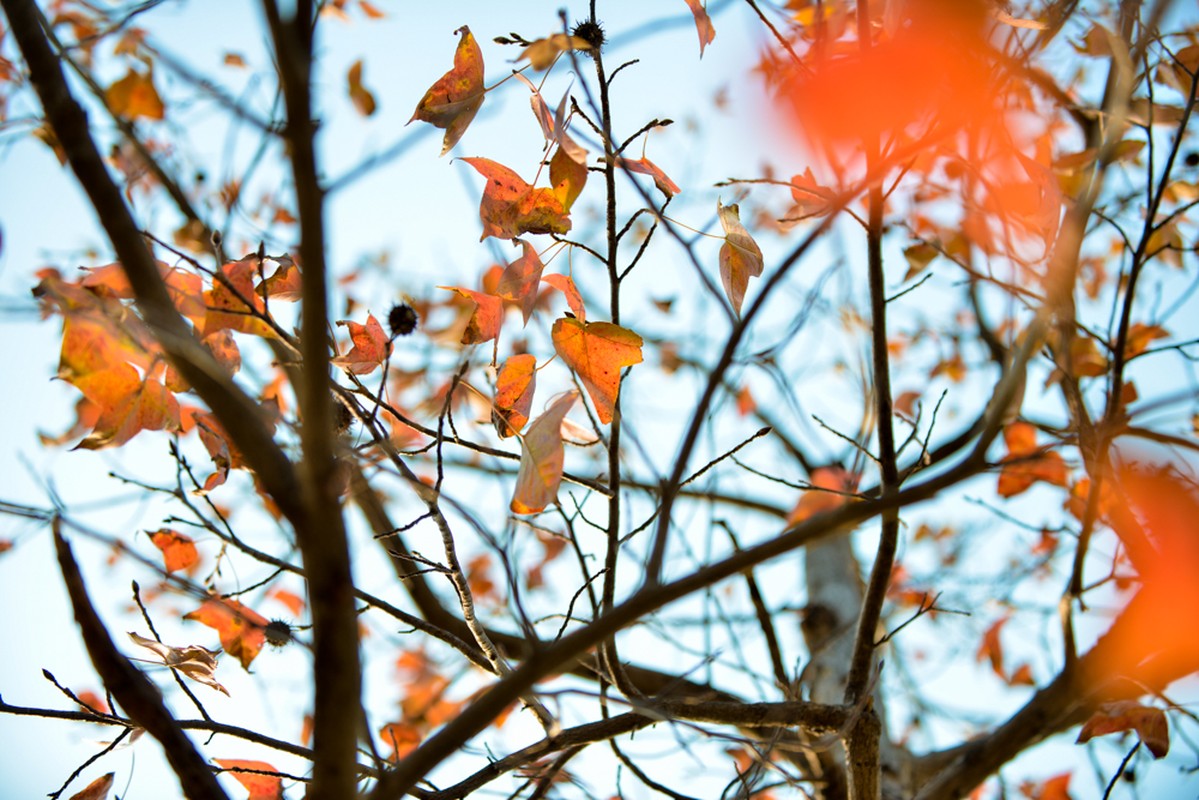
{"x":521,"y":279}
{"x":128,"y":405}
{"x":511,"y":207}
{"x":362,"y":98}
{"x":1025,"y":464}
{"x":566,"y":285}
{"x":543,"y":52}
{"x":295,"y":604}
{"x":262,"y":787}
{"x":597,"y":352}
{"x":241,"y":630}
{"x":812,"y":199}
{"x":371,"y":347}
{"x":197,"y":663}
{"x":703,"y":24}
{"x":740,"y":257}
{"x":234,"y":304}
{"x":991,"y":648}
{"x":1140,"y":336}
{"x":919,"y":256}
{"x":514,"y":389}
{"x":541,"y":459}
{"x":403,"y":738}
{"x":484,"y":324}
{"x":646,"y":167}
{"x":96,"y":790}
{"x":178,"y":551}
{"x":452,"y":102}
{"x":134,"y":96}
{"x":1149,"y":723}
{"x":567,"y":176}
{"x":832,"y":487}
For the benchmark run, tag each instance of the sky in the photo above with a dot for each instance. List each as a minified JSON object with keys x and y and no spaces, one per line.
{"x":420,"y":210}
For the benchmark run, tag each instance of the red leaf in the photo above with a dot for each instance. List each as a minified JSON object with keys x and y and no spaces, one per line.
{"x":521,"y":279}
{"x":241,"y":630}
{"x":541,"y":459}
{"x":514,"y":394}
{"x":740,"y":257}
{"x":511,"y":207}
{"x":362,"y":98}
{"x":1149,"y":723}
{"x":403,"y":738}
{"x":96,"y":790}
{"x":178,"y":551}
{"x":371,"y":347}
{"x":703,"y":24}
{"x":262,"y":787}
{"x":597,"y":352}
{"x":453,"y":101}
{"x":646,"y":167}
{"x":566,"y":285}
{"x":485,"y":322}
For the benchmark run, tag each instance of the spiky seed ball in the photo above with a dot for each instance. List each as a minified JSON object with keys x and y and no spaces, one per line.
{"x":278,"y":633}
{"x":590,"y":32}
{"x":1192,"y":159}
{"x":402,"y":320}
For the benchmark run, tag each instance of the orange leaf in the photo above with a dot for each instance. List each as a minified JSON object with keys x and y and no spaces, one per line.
{"x":836,"y":483}
{"x":262,"y":787}
{"x":566,"y":285}
{"x":520,"y":280}
{"x":370,"y":10}
{"x":646,"y":167}
{"x":541,"y":459}
{"x":703,"y":24}
{"x":485,"y":322}
{"x":991,"y":648}
{"x":403,"y":738}
{"x":135,"y":96}
{"x":1085,"y":359}
{"x":241,"y":630}
{"x":1140,"y":336}
{"x":567,"y":176}
{"x":295,"y":603}
{"x":96,"y":790}
{"x":452,"y":102}
{"x":128,"y":405}
{"x":178,"y":551}
{"x":234,"y":304}
{"x":812,"y":199}
{"x":511,"y":207}
{"x":543,"y":52}
{"x":1149,"y":723}
{"x":514,"y":394}
{"x":597,"y":352}
{"x":1025,"y":464}
{"x":1055,"y":788}
{"x":362,"y":98}
{"x":371,"y":347}
{"x":740,"y":257}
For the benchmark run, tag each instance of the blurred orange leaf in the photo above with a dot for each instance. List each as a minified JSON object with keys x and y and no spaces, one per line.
{"x":484,"y":324}
{"x":542,"y":52}
{"x":197,"y":663}
{"x":134,"y":96}
{"x":96,"y":790}
{"x":646,"y":167}
{"x":703,"y":24}
{"x":566,"y":285}
{"x":1025,"y":464}
{"x":597,"y":352}
{"x":1149,"y":723}
{"x":362,"y":98}
{"x":991,"y":648}
{"x":262,"y":787}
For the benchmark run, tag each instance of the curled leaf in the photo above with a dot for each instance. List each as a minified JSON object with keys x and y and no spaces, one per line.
{"x":178,"y":551}
{"x":566,"y":285}
{"x":197,"y":663}
{"x":242,"y":630}
{"x":1149,"y":723}
{"x":740,"y":257}
{"x":646,"y":167}
{"x":521,"y":279}
{"x":703,"y":24}
{"x":485,"y":322}
{"x":452,"y":102}
{"x":541,"y":459}
{"x":362,"y":98}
